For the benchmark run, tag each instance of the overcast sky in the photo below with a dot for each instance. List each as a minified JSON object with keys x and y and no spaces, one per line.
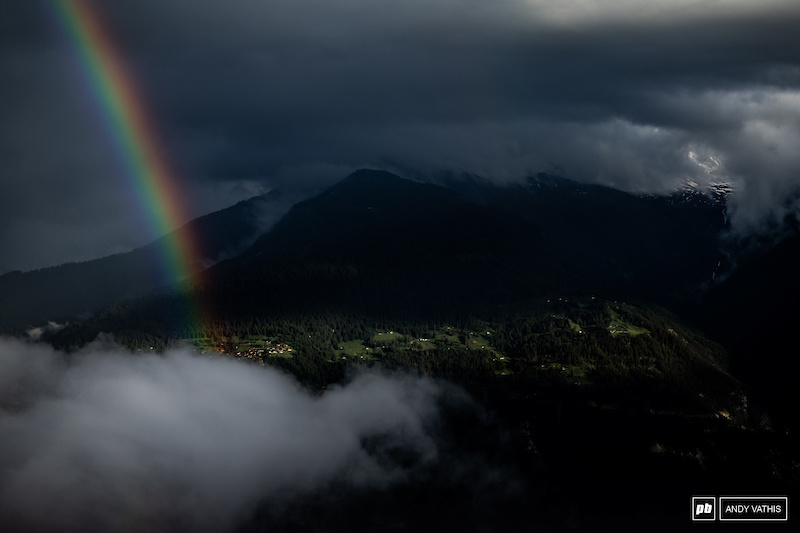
{"x":252,"y":94}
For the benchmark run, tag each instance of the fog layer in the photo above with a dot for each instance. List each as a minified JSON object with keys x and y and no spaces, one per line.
{"x":127,"y":442}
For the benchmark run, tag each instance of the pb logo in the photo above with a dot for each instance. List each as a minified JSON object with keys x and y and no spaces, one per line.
{"x":704,"y":508}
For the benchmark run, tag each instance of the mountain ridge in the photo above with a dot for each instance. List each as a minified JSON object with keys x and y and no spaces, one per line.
{"x":378,"y":243}
{"x":73,"y":290}
{"x":602,"y":238}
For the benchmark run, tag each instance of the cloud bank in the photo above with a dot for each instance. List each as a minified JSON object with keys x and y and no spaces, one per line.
{"x":111,"y":441}
{"x":256,"y":95}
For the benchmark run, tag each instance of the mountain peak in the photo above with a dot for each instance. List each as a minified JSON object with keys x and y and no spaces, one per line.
{"x":372,"y":181}
{"x":367,"y":189}
{"x":369,"y":175}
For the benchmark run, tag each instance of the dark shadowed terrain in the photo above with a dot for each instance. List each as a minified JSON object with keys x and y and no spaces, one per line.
{"x":556,"y":356}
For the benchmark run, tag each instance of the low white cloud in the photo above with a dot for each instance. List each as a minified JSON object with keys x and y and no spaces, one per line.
{"x":36,"y":333}
{"x":594,"y":12}
{"x":115,"y":441}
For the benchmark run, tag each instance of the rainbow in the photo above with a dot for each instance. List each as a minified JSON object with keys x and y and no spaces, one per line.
{"x":134,"y":134}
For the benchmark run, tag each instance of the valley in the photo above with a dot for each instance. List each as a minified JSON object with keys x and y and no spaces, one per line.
{"x":568,"y":326}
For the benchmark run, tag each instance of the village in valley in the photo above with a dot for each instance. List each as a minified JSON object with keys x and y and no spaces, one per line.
{"x":256,"y":348}
{"x":561,"y":318}
{"x":381,"y":343}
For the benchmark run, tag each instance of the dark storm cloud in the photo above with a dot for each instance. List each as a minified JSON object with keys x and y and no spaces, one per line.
{"x":249,"y":95}
{"x":181,"y":442}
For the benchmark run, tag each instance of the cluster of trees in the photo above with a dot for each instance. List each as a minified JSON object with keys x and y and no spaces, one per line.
{"x":671,"y":366}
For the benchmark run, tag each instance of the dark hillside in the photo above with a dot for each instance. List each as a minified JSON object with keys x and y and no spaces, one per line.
{"x":755,"y":313}
{"x":73,"y":290}
{"x":659,"y":248}
{"x":378,"y":244}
